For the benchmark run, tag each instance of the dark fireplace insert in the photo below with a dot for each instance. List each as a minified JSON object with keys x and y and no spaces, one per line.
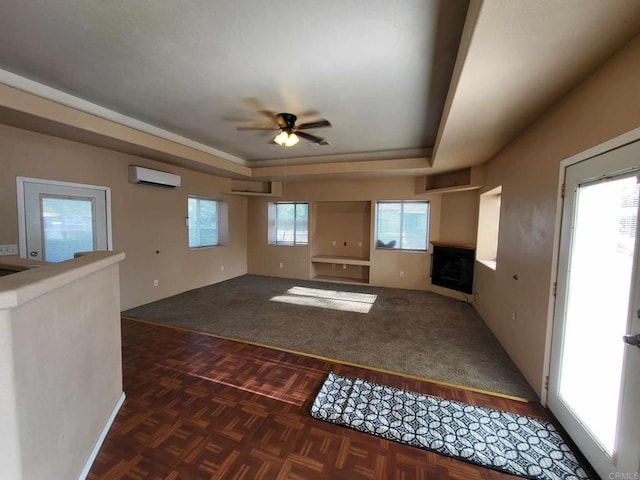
{"x":452,"y":267}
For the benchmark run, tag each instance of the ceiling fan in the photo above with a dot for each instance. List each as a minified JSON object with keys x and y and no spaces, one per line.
{"x":289,"y":131}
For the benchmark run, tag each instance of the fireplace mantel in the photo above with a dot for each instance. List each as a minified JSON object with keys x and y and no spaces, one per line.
{"x":466,"y":246}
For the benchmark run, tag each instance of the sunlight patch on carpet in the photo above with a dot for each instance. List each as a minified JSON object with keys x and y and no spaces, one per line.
{"x":329,"y":299}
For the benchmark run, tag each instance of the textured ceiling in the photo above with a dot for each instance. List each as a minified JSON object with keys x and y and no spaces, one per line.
{"x":411,"y":86}
{"x":378,"y":70}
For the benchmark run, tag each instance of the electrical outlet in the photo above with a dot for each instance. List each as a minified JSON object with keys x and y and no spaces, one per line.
{"x":222,"y":268}
{"x":344,"y":267}
{"x":333,"y":243}
{"x":281,"y":265}
{"x":401,"y":273}
{"x":156,"y":283}
{"x":8,"y":249}
{"x":513,"y":315}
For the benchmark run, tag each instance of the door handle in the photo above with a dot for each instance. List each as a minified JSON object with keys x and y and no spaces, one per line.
{"x":33,"y":254}
{"x":632,"y":340}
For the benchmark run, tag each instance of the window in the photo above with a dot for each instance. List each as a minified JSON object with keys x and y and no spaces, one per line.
{"x":203,"y":222}
{"x":292,"y":223}
{"x":402,"y":225}
{"x":488,"y":227}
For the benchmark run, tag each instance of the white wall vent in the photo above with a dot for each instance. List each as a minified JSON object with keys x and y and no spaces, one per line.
{"x":146,"y":176}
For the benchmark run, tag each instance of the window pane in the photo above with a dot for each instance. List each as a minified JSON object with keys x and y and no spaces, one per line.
{"x":302,"y":223}
{"x":292,"y":223}
{"x":388,"y":235}
{"x":67,"y":227}
{"x":403,"y":225}
{"x":285,"y":218}
{"x":414,"y":225}
{"x":598,"y":303}
{"x":203,"y":222}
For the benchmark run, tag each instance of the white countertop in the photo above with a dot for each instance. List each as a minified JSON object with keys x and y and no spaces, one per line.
{"x":42,"y":277}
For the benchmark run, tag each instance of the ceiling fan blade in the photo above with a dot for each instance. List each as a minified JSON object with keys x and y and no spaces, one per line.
{"x":274,"y":117}
{"x":313,"y":138}
{"x":308,"y":113}
{"x":315,"y":124}
{"x":258,"y":128}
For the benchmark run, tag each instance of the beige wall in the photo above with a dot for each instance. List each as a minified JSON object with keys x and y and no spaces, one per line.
{"x":606,"y":105}
{"x":453,"y":218}
{"x":459,"y":217}
{"x":145,"y":219}
{"x":61,"y":371}
{"x":10,"y":457}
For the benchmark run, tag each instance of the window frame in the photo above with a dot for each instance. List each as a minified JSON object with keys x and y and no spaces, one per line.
{"x":489,"y":212}
{"x":294,"y":243}
{"x":402,"y":219}
{"x":217,"y":226}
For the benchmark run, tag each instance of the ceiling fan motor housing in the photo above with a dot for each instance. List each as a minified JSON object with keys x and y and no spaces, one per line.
{"x":287,"y":124}
{"x":289,"y":119}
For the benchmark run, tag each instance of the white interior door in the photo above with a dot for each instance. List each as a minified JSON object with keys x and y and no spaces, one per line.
{"x":61,"y":219}
{"x":594,"y":384}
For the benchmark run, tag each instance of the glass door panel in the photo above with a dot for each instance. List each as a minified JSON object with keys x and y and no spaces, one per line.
{"x":600,"y":279}
{"x":68,"y":226}
{"x":594,"y":386}
{"x":59,"y":219}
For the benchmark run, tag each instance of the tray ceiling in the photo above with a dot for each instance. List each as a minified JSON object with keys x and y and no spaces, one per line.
{"x":411,"y":87}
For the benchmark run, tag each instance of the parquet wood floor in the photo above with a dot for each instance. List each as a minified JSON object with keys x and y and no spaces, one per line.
{"x":200,"y":407}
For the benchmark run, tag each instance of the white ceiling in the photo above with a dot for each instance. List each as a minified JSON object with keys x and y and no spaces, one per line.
{"x":380,"y":71}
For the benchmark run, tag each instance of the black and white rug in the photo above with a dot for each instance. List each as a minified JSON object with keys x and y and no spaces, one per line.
{"x":512,"y":443}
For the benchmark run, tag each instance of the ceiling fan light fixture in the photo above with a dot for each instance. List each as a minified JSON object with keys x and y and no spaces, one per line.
{"x":281,"y":138}
{"x":286,"y":139}
{"x":292,"y":140}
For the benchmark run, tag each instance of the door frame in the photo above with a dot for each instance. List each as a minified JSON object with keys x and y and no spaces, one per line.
{"x":616,"y":142}
{"x":22,"y":230}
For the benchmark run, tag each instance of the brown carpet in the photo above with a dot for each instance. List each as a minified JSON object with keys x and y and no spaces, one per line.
{"x":404,"y":331}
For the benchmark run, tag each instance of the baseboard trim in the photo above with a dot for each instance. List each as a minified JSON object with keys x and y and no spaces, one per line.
{"x":103,"y":434}
{"x":335,"y":360}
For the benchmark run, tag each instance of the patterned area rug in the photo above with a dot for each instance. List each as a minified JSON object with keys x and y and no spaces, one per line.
{"x":512,"y":443}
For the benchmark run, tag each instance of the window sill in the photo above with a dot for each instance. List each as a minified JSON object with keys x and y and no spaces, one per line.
{"x":404,"y":250}
{"x":204,"y":247}
{"x":289,"y":244}
{"x":488,"y":263}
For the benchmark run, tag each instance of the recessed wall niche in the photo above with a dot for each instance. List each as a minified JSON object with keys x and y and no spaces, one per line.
{"x":341,"y":241}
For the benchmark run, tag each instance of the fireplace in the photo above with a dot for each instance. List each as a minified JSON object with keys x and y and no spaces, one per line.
{"x":452,"y":267}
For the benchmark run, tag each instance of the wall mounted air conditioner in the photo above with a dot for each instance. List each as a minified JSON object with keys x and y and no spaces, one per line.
{"x":146,"y":176}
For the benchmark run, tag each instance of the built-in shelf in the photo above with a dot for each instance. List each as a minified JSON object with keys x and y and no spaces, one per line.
{"x":251,"y":188}
{"x":340,"y":260}
{"x":341,"y":241}
{"x":471,"y":178}
{"x":336,"y":279}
